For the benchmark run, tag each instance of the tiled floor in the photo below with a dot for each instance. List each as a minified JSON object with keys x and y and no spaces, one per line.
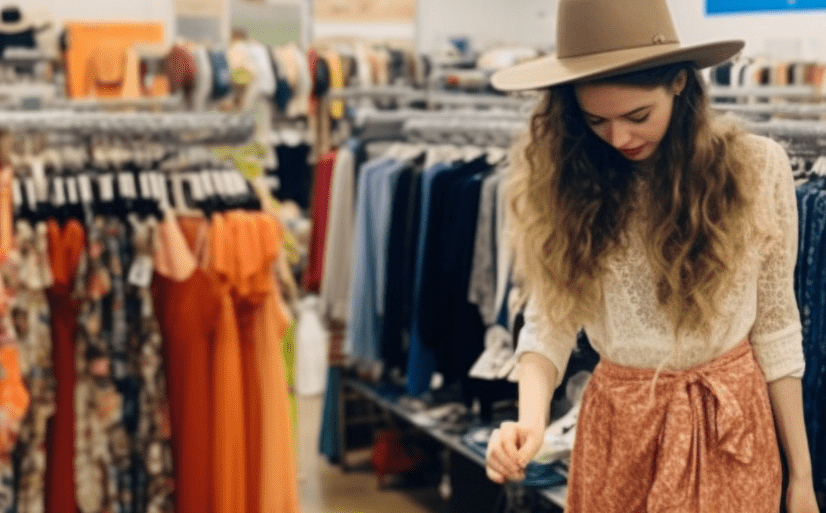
{"x":325,"y":488}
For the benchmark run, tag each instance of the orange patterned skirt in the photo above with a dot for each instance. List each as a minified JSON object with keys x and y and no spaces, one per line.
{"x":703,"y":442}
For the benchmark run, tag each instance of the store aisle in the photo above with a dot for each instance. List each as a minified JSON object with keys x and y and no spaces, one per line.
{"x":324,"y":488}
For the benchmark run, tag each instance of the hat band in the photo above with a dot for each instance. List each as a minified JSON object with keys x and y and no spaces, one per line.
{"x":656,"y":40}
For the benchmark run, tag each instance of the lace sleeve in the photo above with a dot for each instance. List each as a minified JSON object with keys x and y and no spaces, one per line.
{"x":537,"y":337}
{"x":776,"y":335}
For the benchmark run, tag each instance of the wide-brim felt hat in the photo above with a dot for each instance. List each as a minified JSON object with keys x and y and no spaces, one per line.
{"x":601,"y":38}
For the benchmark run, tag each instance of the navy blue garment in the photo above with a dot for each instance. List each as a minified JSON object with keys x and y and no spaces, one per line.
{"x":810,"y":290}
{"x":401,"y":246}
{"x":432,"y":319}
{"x":463,"y":330}
{"x":295,"y":175}
{"x":421,"y":360}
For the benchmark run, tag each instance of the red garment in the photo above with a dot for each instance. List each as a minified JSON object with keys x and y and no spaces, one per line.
{"x":65,"y":249}
{"x":187,"y":307}
{"x":314,"y":273}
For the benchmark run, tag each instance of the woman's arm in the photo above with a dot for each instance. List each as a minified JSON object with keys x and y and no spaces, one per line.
{"x":786,"y":396}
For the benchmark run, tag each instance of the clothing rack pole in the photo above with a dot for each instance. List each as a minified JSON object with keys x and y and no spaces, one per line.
{"x":716,"y":92}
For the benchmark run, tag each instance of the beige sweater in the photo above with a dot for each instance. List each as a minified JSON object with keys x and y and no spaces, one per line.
{"x":633,"y":330}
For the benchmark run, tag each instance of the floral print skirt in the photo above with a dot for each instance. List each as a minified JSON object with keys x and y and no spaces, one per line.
{"x":699,"y":440}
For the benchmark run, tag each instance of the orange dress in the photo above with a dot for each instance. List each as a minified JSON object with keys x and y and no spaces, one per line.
{"x":187,"y":307}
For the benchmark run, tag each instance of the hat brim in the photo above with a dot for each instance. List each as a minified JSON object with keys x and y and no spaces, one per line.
{"x":550,"y":71}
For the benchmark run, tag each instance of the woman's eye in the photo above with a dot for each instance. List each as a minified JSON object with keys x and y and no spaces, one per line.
{"x":595,"y":122}
{"x":639,"y":119}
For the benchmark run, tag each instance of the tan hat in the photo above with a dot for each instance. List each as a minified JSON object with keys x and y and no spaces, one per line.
{"x":599,"y":38}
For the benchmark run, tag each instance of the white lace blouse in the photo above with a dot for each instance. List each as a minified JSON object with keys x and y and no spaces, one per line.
{"x":633,"y":330}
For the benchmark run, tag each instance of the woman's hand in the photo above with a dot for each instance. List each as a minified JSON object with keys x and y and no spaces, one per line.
{"x":800,"y":496}
{"x":510,"y":449}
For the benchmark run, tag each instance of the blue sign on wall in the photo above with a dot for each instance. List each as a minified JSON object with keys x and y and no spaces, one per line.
{"x":734,"y":6}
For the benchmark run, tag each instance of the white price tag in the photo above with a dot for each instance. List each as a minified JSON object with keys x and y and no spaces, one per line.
{"x":206,"y":183}
{"x":232,"y":183}
{"x":126,"y":185}
{"x":59,"y":196}
{"x":17,"y":193}
{"x":85,"y":187}
{"x":146,"y":185}
{"x":38,"y":171}
{"x":220,"y":186}
{"x":106,"y":182}
{"x":195,"y":186}
{"x":241,"y":183}
{"x":71,"y":190}
{"x":31,"y":194}
{"x":140,"y":274}
{"x":163,"y":191}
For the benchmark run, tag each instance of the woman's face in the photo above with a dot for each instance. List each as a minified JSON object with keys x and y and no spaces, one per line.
{"x":632,"y":119}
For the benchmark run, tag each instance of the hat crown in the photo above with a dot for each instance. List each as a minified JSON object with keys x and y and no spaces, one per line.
{"x":586,"y":27}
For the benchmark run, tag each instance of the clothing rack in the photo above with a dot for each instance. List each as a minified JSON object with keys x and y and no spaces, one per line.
{"x":717,"y":92}
{"x":179,"y":127}
{"x":800,"y":110}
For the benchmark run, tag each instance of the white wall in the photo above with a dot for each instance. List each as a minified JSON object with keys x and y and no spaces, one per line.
{"x":785,"y":35}
{"x":533,"y":22}
{"x":486,"y":22}
{"x":127,"y":10}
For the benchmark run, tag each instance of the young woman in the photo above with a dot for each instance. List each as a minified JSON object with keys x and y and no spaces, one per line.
{"x":670,"y":236}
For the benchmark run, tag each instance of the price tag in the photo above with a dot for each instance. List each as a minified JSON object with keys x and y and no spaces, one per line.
{"x":240,"y":182}
{"x":207,"y":185}
{"x":232,"y":183}
{"x":59,"y":196}
{"x":220,"y":185}
{"x":71,"y":190}
{"x":106,"y":182}
{"x":31,"y":194}
{"x":195,"y":186}
{"x":146,"y":185}
{"x":17,"y":193}
{"x":140,"y":274}
{"x":85,"y":187}
{"x":126,"y":184}
{"x":163,"y":192}
{"x":38,"y":171}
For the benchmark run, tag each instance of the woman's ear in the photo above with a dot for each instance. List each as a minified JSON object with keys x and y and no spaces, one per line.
{"x":679,"y":83}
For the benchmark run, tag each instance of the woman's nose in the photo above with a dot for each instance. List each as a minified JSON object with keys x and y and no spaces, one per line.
{"x":619,"y":136}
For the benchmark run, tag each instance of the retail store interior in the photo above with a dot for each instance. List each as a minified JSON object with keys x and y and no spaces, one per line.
{"x":254,"y":253}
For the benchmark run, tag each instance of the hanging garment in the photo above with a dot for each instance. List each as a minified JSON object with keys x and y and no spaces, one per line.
{"x":31,"y":318}
{"x":314,"y":272}
{"x":810,"y":284}
{"x":338,"y":253}
{"x":376,"y":184}
{"x":66,"y":245}
{"x":123,"y":458}
{"x":635,"y":452}
{"x":187,"y":307}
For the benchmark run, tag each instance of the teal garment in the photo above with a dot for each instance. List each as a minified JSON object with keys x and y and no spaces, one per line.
{"x":329,"y":440}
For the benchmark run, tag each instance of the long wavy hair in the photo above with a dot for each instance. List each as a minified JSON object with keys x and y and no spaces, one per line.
{"x":572,"y":195}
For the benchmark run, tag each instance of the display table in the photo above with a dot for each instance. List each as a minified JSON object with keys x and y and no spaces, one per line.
{"x":553,"y":498}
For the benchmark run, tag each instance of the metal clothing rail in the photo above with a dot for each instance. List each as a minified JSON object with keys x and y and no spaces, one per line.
{"x":803,"y":91}
{"x":181,"y":127}
{"x":789,"y":129}
{"x":800,"y":110}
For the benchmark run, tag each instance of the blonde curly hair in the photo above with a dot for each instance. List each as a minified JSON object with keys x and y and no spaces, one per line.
{"x":572,"y":195}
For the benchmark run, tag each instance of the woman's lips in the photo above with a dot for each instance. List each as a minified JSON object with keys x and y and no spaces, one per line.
{"x":633,"y":152}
